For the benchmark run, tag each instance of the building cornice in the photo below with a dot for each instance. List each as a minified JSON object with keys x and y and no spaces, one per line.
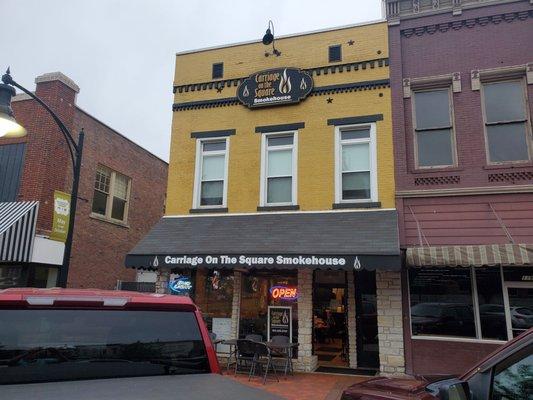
{"x":317,"y":91}
{"x":467,"y":23}
{"x":471,"y":191}
{"x":317,"y":71}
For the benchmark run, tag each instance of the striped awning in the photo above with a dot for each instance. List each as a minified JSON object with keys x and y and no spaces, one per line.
{"x":471,"y":256}
{"x":17,"y":230}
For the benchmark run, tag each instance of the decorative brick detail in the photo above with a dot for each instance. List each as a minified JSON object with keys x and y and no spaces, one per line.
{"x":390,"y":323}
{"x":306,"y":360}
{"x":468,"y":23}
{"x":236,"y":304}
{"x":352,"y":340}
{"x":161,"y":282}
{"x":438,"y":180}
{"x":511,"y":177}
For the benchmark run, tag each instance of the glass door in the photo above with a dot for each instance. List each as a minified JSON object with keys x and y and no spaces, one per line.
{"x":519,"y":299}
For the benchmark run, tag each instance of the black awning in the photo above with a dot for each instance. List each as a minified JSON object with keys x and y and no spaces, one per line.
{"x":324,"y":240}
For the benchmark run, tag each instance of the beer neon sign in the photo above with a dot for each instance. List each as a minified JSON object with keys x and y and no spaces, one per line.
{"x":287,"y":293}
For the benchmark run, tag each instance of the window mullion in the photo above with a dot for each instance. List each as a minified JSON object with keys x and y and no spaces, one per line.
{"x":109,"y":205}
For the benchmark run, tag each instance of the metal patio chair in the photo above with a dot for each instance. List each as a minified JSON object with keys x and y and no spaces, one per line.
{"x":263,"y":356}
{"x":254,"y":337}
{"x":244,"y":354}
{"x":285,"y":354}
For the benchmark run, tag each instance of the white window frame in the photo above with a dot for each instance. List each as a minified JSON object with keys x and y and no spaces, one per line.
{"x":264,"y":167}
{"x":110,"y":195}
{"x":198,"y":172}
{"x":372,"y":157}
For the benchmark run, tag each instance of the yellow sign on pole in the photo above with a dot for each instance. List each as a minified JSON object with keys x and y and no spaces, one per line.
{"x":61,"y":216}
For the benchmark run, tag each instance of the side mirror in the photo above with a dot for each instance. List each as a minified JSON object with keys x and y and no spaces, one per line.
{"x":454,"y":389}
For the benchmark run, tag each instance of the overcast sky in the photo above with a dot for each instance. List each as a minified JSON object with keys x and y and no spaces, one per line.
{"x":121,"y":52}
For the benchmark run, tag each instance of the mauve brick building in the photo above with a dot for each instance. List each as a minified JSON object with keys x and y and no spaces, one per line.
{"x":121,"y":194}
{"x":462,"y":82}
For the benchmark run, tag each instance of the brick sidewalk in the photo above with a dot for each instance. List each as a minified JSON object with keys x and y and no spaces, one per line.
{"x":303,"y":386}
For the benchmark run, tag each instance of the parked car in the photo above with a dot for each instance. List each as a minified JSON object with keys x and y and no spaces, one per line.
{"x":507,"y":374}
{"x":94,"y":344}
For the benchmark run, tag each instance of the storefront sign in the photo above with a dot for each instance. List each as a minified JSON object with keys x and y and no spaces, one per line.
{"x":279,"y":322}
{"x":275,"y":87}
{"x":61,"y":216}
{"x":181,"y":286}
{"x":284,"y":293}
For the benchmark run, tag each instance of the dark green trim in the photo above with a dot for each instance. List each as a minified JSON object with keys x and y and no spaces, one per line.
{"x":278,"y":208}
{"x":208,"y":210}
{"x":341,"y":206}
{"x":279,"y":128}
{"x":363,"y":119}
{"x":213,"y":134}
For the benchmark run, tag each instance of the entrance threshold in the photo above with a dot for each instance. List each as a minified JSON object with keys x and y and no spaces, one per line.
{"x":347,"y":371}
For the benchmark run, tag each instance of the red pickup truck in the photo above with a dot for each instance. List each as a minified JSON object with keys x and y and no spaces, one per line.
{"x":507,"y":374}
{"x":93,"y":344}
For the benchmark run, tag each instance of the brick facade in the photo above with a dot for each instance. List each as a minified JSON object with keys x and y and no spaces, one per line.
{"x":99,"y":247}
{"x":458,"y":205}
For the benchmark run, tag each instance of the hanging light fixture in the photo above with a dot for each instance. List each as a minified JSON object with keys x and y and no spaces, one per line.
{"x":9,"y":127}
{"x":268,"y":38}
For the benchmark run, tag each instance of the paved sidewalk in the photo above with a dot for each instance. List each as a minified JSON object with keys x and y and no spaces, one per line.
{"x":303,"y":386}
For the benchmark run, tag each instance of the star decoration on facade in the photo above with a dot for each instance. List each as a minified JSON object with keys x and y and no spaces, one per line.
{"x":329,"y":100}
{"x":350,"y":42}
{"x":219,"y":89}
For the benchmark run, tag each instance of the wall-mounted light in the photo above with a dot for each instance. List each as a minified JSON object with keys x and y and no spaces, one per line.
{"x":269,"y":39}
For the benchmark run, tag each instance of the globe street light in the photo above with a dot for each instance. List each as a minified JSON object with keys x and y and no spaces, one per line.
{"x":9,"y":128}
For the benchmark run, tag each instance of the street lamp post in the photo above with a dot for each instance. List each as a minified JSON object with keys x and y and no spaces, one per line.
{"x":10,"y":128}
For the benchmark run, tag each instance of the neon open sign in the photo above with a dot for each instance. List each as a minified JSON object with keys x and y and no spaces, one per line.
{"x":284,"y":293}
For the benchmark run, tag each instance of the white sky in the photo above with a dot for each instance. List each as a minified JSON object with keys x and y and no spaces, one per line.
{"x":121,"y":52}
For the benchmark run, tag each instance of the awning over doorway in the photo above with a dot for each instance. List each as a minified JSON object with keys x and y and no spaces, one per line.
{"x":17,"y":230}
{"x":471,"y":256}
{"x":324,"y":240}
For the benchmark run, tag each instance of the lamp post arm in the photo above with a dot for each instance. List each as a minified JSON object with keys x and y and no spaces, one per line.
{"x":64,"y":130}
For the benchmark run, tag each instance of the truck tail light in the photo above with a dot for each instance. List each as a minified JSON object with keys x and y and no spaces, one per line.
{"x":51,"y":300}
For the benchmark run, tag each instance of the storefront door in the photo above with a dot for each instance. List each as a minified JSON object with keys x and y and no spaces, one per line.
{"x":519,"y":306}
{"x":330,"y":333}
{"x":366,"y":320}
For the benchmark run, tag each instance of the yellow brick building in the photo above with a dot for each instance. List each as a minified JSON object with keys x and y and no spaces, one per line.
{"x":280,"y":201}
{"x":355,"y":86}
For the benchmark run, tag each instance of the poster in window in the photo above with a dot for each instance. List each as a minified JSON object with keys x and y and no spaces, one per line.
{"x":279,"y":322}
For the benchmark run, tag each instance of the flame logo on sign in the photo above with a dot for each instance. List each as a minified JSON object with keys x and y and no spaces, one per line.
{"x":285,"y":318}
{"x":303,"y":85}
{"x":357,"y":263}
{"x":285,"y":83}
{"x":246,"y":92}
{"x":156,"y":262}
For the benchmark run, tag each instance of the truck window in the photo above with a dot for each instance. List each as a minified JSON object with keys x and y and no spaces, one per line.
{"x":48,"y":345}
{"x":513,"y":378}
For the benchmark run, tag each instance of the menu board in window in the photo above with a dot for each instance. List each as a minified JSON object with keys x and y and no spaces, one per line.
{"x":279,"y":322}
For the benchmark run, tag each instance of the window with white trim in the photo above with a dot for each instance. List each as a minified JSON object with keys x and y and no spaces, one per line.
{"x":111,"y":194}
{"x":211,"y":173}
{"x":433,"y":122}
{"x":278,"y":182}
{"x":356,"y":175}
{"x":506,"y":121}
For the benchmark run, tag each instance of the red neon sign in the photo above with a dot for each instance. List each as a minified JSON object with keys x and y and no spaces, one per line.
{"x":284,"y":292}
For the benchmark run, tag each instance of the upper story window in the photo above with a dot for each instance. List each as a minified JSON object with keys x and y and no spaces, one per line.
{"x":211,"y":173}
{"x":335,"y":53}
{"x":278,"y":181}
{"x":506,"y":122}
{"x":355,"y":164}
{"x":111,"y":194}
{"x":433,"y":122}
{"x":218,"y":70}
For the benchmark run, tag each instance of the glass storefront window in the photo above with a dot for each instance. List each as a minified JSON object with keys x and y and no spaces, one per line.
{"x":490,"y":300}
{"x":441,"y":302}
{"x":213,"y":294}
{"x":256,"y":297}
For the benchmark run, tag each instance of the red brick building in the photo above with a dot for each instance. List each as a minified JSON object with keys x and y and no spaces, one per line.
{"x":462,"y":87}
{"x":121,"y":194}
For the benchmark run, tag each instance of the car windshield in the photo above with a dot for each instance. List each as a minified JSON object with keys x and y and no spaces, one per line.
{"x":49,"y":345}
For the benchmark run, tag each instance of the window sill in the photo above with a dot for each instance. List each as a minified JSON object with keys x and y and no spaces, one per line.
{"x":212,"y":210}
{"x":370,"y":204}
{"x":458,"y":339}
{"x":436,"y":170}
{"x":526,"y":164}
{"x":108,"y":220}
{"x":278,"y":208}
